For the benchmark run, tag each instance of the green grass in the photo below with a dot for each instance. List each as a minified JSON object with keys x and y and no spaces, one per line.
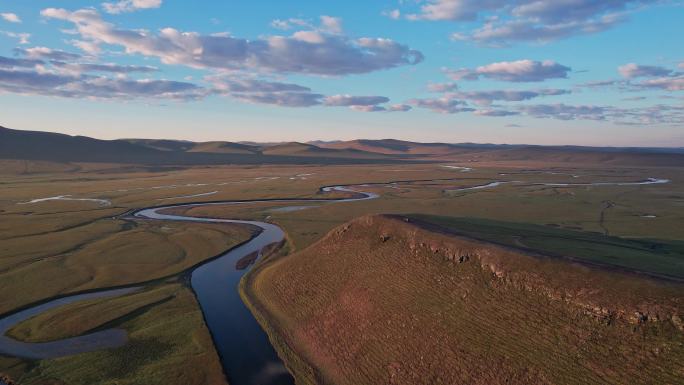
{"x":72,"y":246}
{"x":663,"y":257}
{"x":168,"y":342}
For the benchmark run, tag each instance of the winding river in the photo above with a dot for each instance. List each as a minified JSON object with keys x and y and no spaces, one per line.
{"x":247,"y":356}
{"x":246,"y":353}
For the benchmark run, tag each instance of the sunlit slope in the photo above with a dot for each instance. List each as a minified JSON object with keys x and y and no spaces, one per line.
{"x":383,"y":301}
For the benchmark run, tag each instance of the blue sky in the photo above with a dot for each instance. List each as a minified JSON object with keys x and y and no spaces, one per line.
{"x":531,"y":71}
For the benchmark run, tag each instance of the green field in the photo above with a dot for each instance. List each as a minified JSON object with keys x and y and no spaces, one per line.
{"x":168,"y":342}
{"x":660,"y":257}
{"x":72,"y":246}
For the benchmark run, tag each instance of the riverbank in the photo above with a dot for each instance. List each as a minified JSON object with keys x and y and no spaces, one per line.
{"x":304,"y":373}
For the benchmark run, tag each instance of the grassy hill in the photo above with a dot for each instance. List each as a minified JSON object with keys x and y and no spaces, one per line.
{"x":53,"y":147}
{"x":474,"y":152}
{"x":393,"y":146}
{"x":224,"y":148}
{"x":305,"y":149}
{"x":357,"y":306}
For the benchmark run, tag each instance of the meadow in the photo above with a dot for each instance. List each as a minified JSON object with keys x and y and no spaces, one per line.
{"x":84,"y":241}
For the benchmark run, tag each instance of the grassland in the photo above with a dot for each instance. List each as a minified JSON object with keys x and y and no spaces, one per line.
{"x":70,"y":246}
{"x":662,"y":258}
{"x":168,"y":342}
{"x":493,"y":315}
{"x":106,"y":253}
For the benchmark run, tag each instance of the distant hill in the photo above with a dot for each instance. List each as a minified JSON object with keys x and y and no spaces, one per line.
{"x":38,"y":145}
{"x":392,"y":146}
{"x":163,"y":144}
{"x":47,"y":146}
{"x":224,"y":148}
{"x":466,"y":152}
{"x":305,"y":149}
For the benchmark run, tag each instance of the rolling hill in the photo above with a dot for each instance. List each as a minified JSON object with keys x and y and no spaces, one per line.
{"x":356,"y":308}
{"x":393,"y":146}
{"x":54,"y":147}
{"x":46,"y":146}
{"x":475,"y":152}
{"x":305,"y":149}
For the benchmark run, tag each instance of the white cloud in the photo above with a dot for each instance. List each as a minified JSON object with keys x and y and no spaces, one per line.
{"x":328,"y":24}
{"x":514,"y":71}
{"x":633,"y":70}
{"x":235,"y":84}
{"x":527,"y":20}
{"x":10,"y":17}
{"x":290,"y":23}
{"x":41,"y":82}
{"x":565,"y":112}
{"x":498,"y":33}
{"x":495,"y":113}
{"x":454,"y":10}
{"x":331,"y":24}
{"x":46,"y":53}
{"x":89,"y":47}
{"x":29,"y":76}
{"x":303,"y":53}
{"x":283,"y":99}
{"x":379,"y":108}
{"x":671,"y":83}
{"x":443,"y":105}
{"x":487,"y":97}
{"x":369,"y":108}
{"x":393,"y":14}
{"x":23,"y":38}
{"x":125,"y":6}
{"x":399,"y":108}
{"x":657,"y":114}
{"x":108,"y":67}
{"x":349,"y":100}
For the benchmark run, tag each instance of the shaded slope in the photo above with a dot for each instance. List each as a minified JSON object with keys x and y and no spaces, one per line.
{"x":46,"y":146}
{"x":163,"y":144}
{"x":15,"y":144}
{"x":224,"y":148}
{"x":382,"y":301}
{"x":392,"y":146}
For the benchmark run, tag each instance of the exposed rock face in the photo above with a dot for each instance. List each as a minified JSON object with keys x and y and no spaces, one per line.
{"x":383,"y":301}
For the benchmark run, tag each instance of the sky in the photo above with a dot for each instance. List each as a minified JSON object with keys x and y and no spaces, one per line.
{"x":583,"y":72}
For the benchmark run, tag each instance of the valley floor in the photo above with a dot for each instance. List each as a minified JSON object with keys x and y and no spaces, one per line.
{"x":62,"y":232}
